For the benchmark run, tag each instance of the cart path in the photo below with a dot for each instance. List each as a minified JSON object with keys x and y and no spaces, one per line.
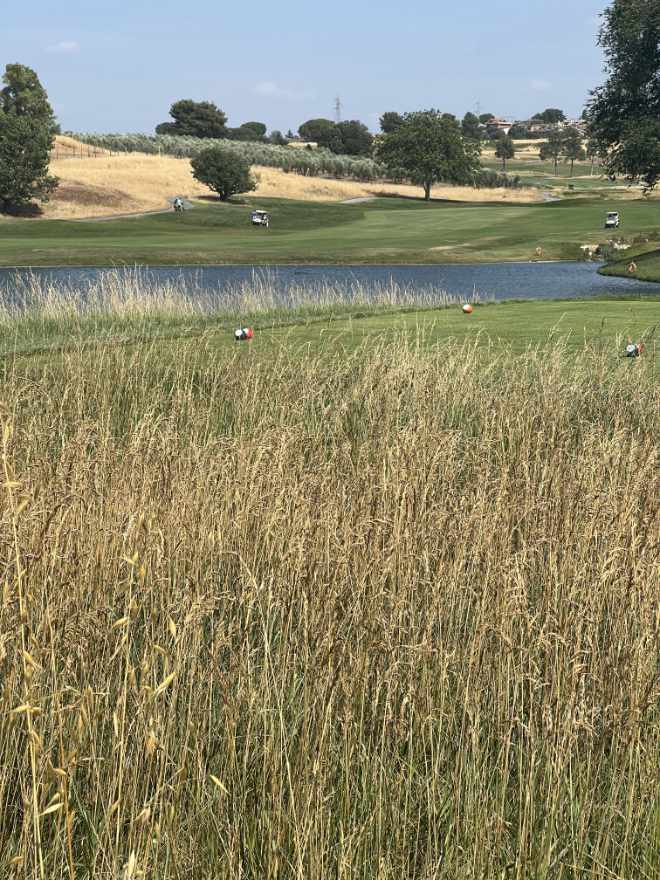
{"x":188,"y":206}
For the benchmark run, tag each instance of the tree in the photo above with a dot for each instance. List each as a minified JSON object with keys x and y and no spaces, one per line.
{"x":246,"y":132}
{"x":494,"y":132}
{"x":471,"y":127}
{"x":390,"y":121}
{"x":505,"y":149}
{"x":427,"y":147}
{"x":624,"y":113}
{"x":552,"y":148}
{"x":592,"y":153}
{"x":486,"y":117}
{"x":27,"y":128}
{"x":258,"y":128}
{"x":572,"y":148}
{"x":638,"y":155}
{"x":323,"y":132}
{"x":357,"y":140}
{"x":276,"y":137}
{"x":200,"y":119}
{"x":519,"y":131}
{"x":223,"y":171}
{"x":551,"y":116}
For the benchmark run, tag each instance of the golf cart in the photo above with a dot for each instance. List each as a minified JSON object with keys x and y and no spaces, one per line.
{"x":612,"y":220}
{"x":260,"y":218}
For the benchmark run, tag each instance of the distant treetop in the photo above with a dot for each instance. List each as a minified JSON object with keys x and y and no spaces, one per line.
{"x":551,"y":116}
{"x":201,"y":119}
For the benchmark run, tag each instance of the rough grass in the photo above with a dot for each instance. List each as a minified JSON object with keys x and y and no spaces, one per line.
{"x":390,"y":614}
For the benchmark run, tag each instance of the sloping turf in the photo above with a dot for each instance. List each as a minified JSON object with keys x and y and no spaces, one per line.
{"x":386,"y":230}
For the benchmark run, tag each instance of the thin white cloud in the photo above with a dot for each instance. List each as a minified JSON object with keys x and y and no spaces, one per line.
{"x":65,"y":47}
{"x":270,"y":89}
{"x":540,"y":85}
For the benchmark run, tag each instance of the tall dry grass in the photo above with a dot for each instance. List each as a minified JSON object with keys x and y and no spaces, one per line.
{"x":381,"y":616}
{"x":108,"y":185}
{"x":278,"y":184}
{"x":39,"y":313}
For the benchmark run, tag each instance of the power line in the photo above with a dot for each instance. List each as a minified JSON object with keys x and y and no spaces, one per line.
{"x":337,"y":109}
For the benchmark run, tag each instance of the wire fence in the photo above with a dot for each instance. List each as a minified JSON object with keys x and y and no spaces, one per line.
{"x":79,"y":151}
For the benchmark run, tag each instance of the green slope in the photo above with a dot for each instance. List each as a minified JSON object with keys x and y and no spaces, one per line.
{"x":383,"y":231}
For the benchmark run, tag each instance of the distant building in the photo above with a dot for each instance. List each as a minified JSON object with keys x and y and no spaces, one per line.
{"x":498,"y":122}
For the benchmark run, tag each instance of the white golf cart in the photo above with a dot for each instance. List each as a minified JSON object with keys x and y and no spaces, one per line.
{"x":260,"y":218}
{"x":612,"y":220}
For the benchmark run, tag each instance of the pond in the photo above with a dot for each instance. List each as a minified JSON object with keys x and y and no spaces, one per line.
{"x":571,"y":280}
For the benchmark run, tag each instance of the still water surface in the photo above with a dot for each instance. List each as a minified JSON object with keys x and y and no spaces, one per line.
{"x":571,"y":280}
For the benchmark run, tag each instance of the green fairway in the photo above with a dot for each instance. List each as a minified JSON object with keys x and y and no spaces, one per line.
{"x":584,"y":179}
{"x":513,"y":327}
{"x":386,"y":230}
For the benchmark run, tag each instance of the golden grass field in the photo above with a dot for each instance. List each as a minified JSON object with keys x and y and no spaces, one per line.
{"x":525,"y":149}
{"x":276,"y":183}
{"x":119,"y":184}
{"x":389,"y":613}
{"x":133,"y":183}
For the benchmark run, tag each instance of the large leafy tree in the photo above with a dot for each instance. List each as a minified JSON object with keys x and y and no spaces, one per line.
{"x":257,"y":128}
{"x":223,"y":171}
{"x":356,"y":138}
{"x":390,"y":121}
{"x":196,"y":119}
{"x":471,"y":127}
{"x":624,"y":113}
{"x":428,"y":148}
{"x":323,"y":132}
{"x":551,"y":116}
{"x":27,"y":128}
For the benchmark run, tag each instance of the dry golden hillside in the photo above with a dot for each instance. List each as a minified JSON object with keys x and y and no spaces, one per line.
{"x":275,"y":183}
{"x":94,"y":183}
{"x":120,"y":184}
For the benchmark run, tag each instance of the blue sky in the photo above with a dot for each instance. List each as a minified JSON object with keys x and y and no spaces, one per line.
{"x":113,"y":65}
